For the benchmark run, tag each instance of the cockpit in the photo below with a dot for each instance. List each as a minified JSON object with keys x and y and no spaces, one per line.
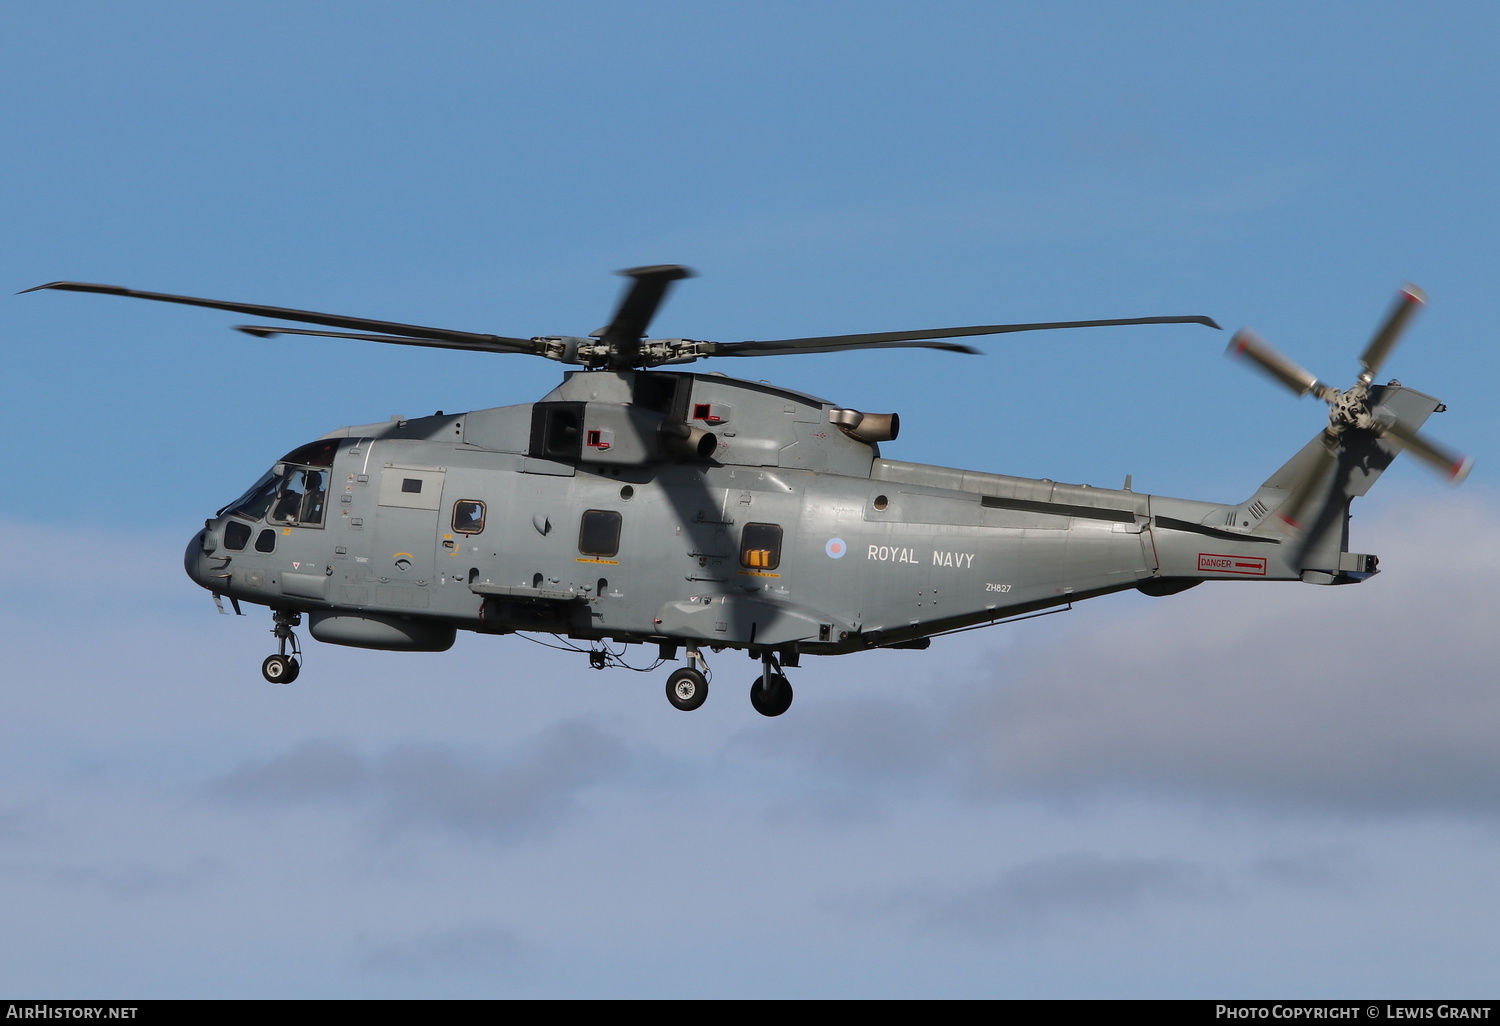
{"x":294,"y":492}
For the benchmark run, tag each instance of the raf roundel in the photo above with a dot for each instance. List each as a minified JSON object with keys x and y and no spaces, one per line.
{"x":835,"y":548}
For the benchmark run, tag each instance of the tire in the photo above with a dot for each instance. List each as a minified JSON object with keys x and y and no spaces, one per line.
{"x":687,"y":689}
{"x":778,"y":701}
{"x":279,"y":669}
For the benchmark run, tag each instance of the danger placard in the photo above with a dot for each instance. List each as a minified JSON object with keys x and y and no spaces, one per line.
{"x":1214,"y":563}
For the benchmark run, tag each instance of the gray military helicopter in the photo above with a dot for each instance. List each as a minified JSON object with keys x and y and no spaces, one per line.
{"x":695,"y":512}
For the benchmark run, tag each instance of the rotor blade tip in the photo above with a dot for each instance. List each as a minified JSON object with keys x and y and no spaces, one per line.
{"x":671,"y":272}
{"x":1460,"y":469}
{"x":1414,"y":294}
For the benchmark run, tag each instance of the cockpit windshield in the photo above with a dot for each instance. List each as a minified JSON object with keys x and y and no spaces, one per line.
{"x":254,"y":503}
{"x":289,"y":493}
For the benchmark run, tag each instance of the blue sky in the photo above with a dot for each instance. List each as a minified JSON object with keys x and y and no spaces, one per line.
{"x":1280,"y":790}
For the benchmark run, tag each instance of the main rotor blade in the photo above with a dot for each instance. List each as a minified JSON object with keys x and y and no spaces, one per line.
{"x":498,"y":346}
{"x":1453,"y":466}
{"x":637,"y":307}
{"x":305,"y":316}
{"x":780,"y":348}
{"x":881,"y":339}
{"x":1408,"y":301}
{"x":1247,"y":343}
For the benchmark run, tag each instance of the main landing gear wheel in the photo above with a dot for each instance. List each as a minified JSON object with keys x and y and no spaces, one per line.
{"x":687,"y":689}
{"x":280,"y":669}
{"x":771,"y":701}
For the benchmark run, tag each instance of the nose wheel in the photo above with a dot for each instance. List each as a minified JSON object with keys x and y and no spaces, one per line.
{"x":280,"y":669}
{"x":283,"y":667}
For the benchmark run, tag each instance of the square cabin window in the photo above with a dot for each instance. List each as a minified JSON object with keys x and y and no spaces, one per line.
{"x":599,"y":533}
{"x":760,"y":546}
{"x":468,"y":516}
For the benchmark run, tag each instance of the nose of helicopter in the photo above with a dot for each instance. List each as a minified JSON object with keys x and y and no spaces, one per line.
{"x":196,"y":559}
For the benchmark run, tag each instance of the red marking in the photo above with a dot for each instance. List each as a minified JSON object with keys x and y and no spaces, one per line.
{"x":1213,"y":562}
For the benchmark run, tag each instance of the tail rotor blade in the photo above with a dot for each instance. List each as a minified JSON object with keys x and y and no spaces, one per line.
{"x":1453,"y":466}
{"x":1408,"y":301}
{"x":1247,"y":343}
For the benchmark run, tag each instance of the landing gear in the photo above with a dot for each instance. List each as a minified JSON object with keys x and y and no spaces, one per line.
{"x":771,"y":694}
{"x":283,"y":667}
{"x":280,"y":669}
{"x":687,"y":688}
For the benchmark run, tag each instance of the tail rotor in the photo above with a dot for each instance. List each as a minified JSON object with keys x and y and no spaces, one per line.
{"x":1356,"y":409}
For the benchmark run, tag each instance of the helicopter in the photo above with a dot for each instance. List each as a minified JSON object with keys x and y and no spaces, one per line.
{"x":639,"y":504}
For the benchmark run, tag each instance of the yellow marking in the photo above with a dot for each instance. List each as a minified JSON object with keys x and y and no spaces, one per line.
{"x":398,"y":555}
{"x":757,"y":573}
{"x":286,"y":530}
{"x":611,"y":562}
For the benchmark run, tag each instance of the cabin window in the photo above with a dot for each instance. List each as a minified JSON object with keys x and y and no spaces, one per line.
{"x":468,"y":516}
{"x":760,"y":546}
{"x":236,"y":535}
{"x":265,"y":541}
{"x":599,"y":533}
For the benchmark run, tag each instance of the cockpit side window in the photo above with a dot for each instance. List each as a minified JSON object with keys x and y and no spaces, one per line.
{"x":301,"y":498}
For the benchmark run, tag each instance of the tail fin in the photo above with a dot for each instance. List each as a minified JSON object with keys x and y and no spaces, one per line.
{"x":1322,"y":542}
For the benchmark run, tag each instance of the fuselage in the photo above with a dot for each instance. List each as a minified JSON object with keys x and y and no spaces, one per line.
{"x":763,"y":524}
